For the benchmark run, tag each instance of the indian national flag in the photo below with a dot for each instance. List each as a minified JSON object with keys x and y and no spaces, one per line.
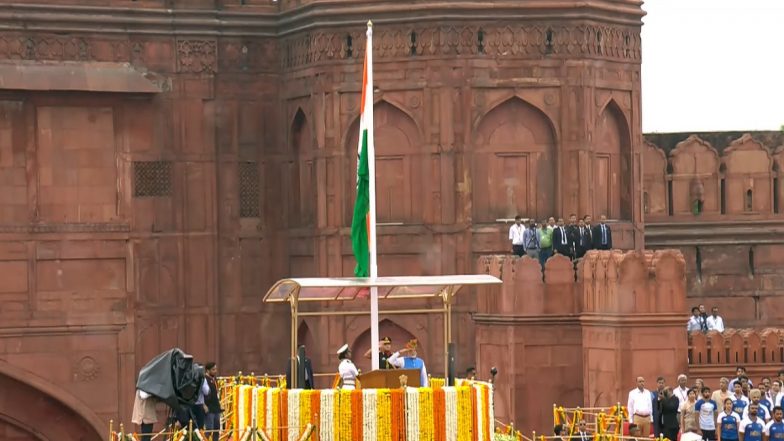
{"x":363,"y":222}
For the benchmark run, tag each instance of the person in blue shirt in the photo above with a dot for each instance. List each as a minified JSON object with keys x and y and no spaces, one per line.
{"x":707,"y":410}
{"x":728,"y":422}
{"x":774,"y":431}
{"x":751,"y":428}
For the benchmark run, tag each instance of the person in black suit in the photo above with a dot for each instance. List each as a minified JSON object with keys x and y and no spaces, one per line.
{"x":307,"y":366}
{"x":584,"y":242}
{"x":582,"y":433}
{"x":562,"y":243}
{"x":573,"y":230}
{"x":602,"y":235}
{"x":668,"y":409}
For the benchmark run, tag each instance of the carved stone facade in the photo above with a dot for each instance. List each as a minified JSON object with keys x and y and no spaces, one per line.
{"x":137,"y":134}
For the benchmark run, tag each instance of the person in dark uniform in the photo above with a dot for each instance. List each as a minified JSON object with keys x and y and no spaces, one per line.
{"x":668,"y":409}
{"x":385,"y":351}
{"x":561,"y":240}
{"x":308,"y":367}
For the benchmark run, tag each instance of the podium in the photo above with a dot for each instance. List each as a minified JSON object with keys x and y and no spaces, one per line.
{"x":388,"y":378}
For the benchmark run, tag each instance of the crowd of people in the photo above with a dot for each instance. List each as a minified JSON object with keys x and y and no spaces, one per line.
{"x":542,"y":240}
{"x":735,"y":411}
{"x":700,"y":321}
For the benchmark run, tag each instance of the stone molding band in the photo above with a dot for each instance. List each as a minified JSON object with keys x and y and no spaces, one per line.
{"x":275,"y":21}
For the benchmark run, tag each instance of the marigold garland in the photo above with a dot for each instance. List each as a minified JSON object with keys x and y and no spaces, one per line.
{"x":462,"y":413}
{"x":425,"y":414}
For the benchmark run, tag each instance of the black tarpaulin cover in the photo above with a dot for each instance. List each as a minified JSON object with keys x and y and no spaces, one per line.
{"x":173,"y":377}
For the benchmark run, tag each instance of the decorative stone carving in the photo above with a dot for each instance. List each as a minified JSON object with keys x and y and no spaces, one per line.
{"x":503,"y":40}
{"x":86,"y":369}
{"x":19,"y":47}
{"x":197,"y":56}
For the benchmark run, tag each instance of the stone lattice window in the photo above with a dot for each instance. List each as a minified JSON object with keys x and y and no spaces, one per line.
{"x":152,"y":178}
{"x":249,"y":189}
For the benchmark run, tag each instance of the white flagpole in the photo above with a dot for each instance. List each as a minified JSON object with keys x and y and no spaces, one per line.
{"x":369,"y":94}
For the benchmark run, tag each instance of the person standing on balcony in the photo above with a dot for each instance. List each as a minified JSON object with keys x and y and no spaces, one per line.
{"x":602,"y":235}
{"x":516,"y":236}
{"x":561,"y":242}
{"x":531,"y":240}
{"x":714,"y":321}
{"x":696,"y":323}
{"x":545,"y":243}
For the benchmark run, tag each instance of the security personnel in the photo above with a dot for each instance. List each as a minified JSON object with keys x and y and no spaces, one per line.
{"x":347,"y":371}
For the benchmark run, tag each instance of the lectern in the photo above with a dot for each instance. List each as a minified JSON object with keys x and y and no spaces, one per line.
{"x":389,"y":378}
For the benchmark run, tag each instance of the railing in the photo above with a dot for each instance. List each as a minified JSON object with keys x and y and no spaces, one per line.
{"x":737,"y":347}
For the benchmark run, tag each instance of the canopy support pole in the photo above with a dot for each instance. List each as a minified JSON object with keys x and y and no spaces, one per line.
{"x":293,"y":300}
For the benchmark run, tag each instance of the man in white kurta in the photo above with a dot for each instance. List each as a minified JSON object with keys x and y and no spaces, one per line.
{"x":407,"y":359}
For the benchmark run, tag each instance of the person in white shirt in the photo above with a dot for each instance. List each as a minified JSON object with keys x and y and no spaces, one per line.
{"x":707,"y":410}
{"x":696,"y":322}
{"x":682,"y":392}
{"x":714,"y":321}
{"x":640,"y":407}
{"x":348,"y":372}
{"x":776,"y":393}
{"x":516,"y":232}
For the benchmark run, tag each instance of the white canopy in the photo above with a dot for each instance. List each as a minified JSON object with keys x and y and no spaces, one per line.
{"x":349,"y":288}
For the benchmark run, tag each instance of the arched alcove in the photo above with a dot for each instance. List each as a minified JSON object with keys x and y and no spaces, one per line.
{"x":514,"y":163}
{"x":27,"y":412}
{"x":386,"y":328}
{"x":400,"y":185}
{"x":612,"y":165}
{"x":301,"y":173}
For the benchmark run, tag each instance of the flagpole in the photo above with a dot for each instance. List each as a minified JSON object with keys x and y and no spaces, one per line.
{"x":369,"y":95}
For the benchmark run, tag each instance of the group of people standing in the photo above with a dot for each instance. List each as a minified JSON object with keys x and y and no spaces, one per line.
{"x":736,"y":411}
{"x":540,"y":241}
{"x":700,"y":321}
{"x":405,"y":358}
{"x":204,"y":414}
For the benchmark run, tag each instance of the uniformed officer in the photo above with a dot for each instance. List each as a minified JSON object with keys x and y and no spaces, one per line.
{"x":385,"y":351}
{"x":347,"y":371}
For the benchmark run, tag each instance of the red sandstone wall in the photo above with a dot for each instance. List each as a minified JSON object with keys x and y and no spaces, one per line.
{"x":733,"y":254}
{"x":197,"y":150}
{"x":715,"y":355}
{"x":579,"y":338}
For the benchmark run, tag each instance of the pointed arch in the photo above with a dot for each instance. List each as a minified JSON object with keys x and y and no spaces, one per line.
{"x":695,"y":177}
{"x":29,"y":397}
{"x":305,"y":337}
{"x":513,"y":163}
{"x":748,"y":177}
{"x":301,"y":172}
{"x":612,"y":164}
{"x":386,"y":328}
{"x":654,"y":180}
{"x":400,"y":183}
